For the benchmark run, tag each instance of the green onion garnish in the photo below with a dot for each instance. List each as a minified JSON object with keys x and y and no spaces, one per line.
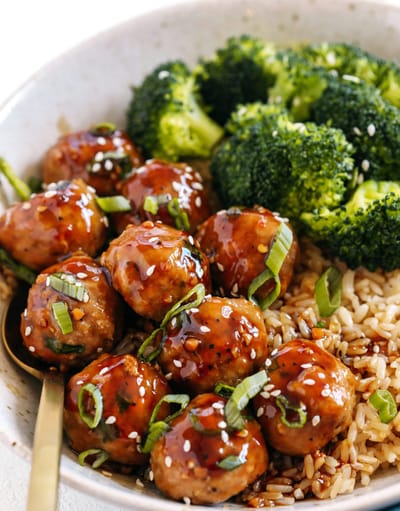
{"x":274,"y":261}
{"x":101,"y":457}
{"x":328,"y":291}
{"x":67,"y":284}
{"x":180,"y":217}
{"x":157,"y":428}
{"x":283,"y":404}
{"x":103,"y":129}
{"x":19,"y":186}
{"x":61,"y":314}
{"x":150,"y":204}
{"x":21,"y":271}
{"x":246,"y":390}
{"x":385,"y":403}
{"x":232,"y":462}
{"x":198,"y":292}
{"x":62,"y":348}
{"x":223,"y":390}
{"x":95,"y":393}
{"x":113,"y":204}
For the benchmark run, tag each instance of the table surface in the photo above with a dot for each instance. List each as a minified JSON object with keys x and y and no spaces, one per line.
{"x":35,"y":33}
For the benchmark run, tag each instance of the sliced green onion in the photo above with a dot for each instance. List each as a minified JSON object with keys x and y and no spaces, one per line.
{"x":103,"y":129}
{"x":61,"y":314}
{"x":101,"y":457}
{"x":156,"y":431}
{"x":19,"y":186}
{"x":62,"y":348}
{"x":328,"y":291}
{"x":274,"y":261}
{"x":95,"y":393}
{"x":67,"y":284}
{"x":384,"y":402}
{"x":35,"y":184}
{"x":21,"y":271}
{"x":223,"y":390}
{"x":150,"y":204}
{"x":113,"y":204}
{"x":157,"y":428}
{"x":246,"y":390}
{"x":231,"y":462}
{"x":180,"y":217}
{"x":283,"y":404}
{"x":199,"y":292}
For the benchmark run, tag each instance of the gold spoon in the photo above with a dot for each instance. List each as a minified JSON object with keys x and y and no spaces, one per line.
{"x":44,"y":475}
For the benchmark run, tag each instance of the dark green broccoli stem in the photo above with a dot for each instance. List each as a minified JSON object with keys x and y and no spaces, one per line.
{"x":21,"y":272}
{"x":19,"y":186}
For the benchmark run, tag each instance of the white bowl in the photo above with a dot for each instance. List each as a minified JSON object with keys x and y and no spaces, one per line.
{"x":92,"y":83}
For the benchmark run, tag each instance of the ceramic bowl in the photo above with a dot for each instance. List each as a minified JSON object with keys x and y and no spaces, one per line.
{"x":91,"y":83}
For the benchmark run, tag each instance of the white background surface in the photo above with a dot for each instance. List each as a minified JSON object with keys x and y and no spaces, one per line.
{"x":32,"y":33}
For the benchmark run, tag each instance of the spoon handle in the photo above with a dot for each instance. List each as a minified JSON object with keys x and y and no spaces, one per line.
{"x":43,"y":484}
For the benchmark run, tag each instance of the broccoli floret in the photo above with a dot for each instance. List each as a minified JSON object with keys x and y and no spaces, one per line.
{"x":348,"y":59}
{"x":166,"y":118}
{"x":369,"y":122}
{"x":286,"y":167}
{"x":236,"y":74}
{"x":366,"y":230}
{"x":246,"y":115}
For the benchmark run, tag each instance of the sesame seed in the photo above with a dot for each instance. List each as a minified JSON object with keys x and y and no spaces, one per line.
{"x":356,"y":131}
{"x":133,"y":434}
{"x":309,"y":381}
{"x":81,"y":275}
{"x":99,"y":349}
{"x":139,"y":483}
{"x":142,"y":391}
{"x":260,"y":411}
{"x":187,"y":445}
{"x":371,"y":130}
{"x":274,"y":352}
{"x":111,"y":419}
{"x":351,"y":78}
{"x":198,"y":202}
{"x":187,"y":501}
{"x":96,"y":167}
{"x":197,"y":186}
{"x":191,"y":240}
{"x":325,"y":392}
{"x":220,"y":267}
{"x":168,"y":461}
{"x":151,"y":475}
{"x":99,"y":156}
{"x":316,"y":420}
{"x":150,"y":270}
{"x":306,"y":366}
{"x":176,"y":186}
{"x":28,"y":331}
{"x":222,"y":424}
{"x":253,"y":354}
{"x":177,"y":363}
{"x":226,"y":311}
{"x":265,"y":395}
{"x":365,"y":165}
{"x":168,"y":376}
{"x":276,"y":392}
{"x":193,"y":310}
{"x":86,"y":297}
{"x":204,"y":329}
{"x":163,"y":74}
{"x":32,"y":349}
{"x":153,"y":239}
{"x":104,"y":371}
{"x":268,"y":362}
{"x":25,"y":313}
{"x":235,"y":288}
{"x":224,"y":436}
{"x":50,"y":193}
{"x":101,"y":140}
{"x":26,"y":205}
{"x":108,"y":165}
{"x":218,"y":405}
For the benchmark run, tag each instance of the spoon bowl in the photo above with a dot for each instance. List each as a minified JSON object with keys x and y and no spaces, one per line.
{"x":48,"y":429}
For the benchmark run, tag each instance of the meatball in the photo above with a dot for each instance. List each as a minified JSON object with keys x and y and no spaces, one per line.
{"x":72,"y":313}
{"x":153,"y":266}
{"x":100,"y":156}
{"x":221,"y":340}
{"x":170,"y":192}
{"x":54,"y":224}
{"x":127,"y":392}
{"x":188,"y":462}
{"x":310,"y":398}
{"x":237,"y":242}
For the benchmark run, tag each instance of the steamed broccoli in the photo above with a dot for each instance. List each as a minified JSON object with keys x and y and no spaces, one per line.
{"x":166,"y":119}
{"x":348,"y":59}
{"x":236,"y":74}
{"x":248,"y":114}
{"x":286,"y":167}
{"x":369,"y":122}
{"x":366,"y":230}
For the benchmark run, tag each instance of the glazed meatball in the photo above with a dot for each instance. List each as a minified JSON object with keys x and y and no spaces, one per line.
{"x":153,"y":266}
{"x":53,"y":225}
{"x":221,"y":340}
{"x":237,"y":242}
{"x":127,"y":392}
{"x":72,"y":313}
{"x":188,"y":461}
{"x":310,"y":398}
{"x":170,"y":192}
{"x":100,"y":156}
